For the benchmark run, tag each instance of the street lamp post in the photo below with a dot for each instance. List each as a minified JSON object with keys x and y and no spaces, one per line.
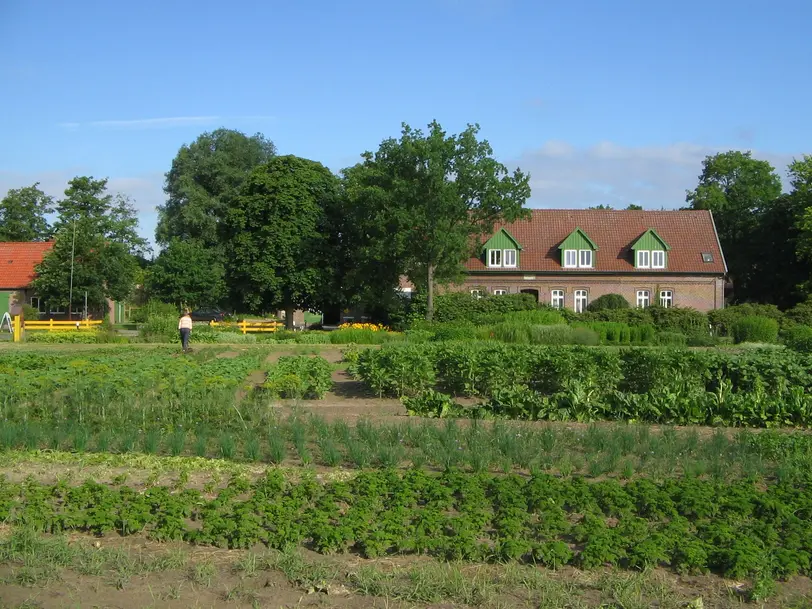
{"x":70,"y":292}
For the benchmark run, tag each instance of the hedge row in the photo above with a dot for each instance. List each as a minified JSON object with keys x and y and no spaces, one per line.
{"x":756,"y":387}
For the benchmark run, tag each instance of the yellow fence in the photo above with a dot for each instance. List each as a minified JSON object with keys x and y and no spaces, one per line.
{"x":55,"y":326}
{"x":250,"y":326}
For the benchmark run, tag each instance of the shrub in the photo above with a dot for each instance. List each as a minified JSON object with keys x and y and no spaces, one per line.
{"x":299,"y":377}
{"x":723,"y":320}
{"x":313,"y":337}
{"x":554,"y":335}
{"x":671,"y":338}
{"x":454,"y":331}
{"x":799,"y":338}
{"x":154,"y":308}
{"x":461,"y":306}
{"x":30,"y":313}
{"x":800,"y":313}
{"x":363,"y":336}
{"x":755,"y":329}
{"x":585,"y":336}
{"x":608,"y":301}
{"x":62,"y":337}
{"x":677,"y":319}
{"x":541,"y":317}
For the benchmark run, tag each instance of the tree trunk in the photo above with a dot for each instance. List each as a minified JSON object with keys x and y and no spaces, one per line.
{"x":430,"y":295}
{"x":289,"y":317}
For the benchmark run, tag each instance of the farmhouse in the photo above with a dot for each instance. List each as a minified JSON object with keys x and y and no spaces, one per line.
{"x":567,"y":258}
{"x":18,"y":262}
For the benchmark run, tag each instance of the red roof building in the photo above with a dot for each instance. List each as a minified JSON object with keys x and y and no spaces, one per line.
{"x":18,"y":262}
{"x":567,"y":258}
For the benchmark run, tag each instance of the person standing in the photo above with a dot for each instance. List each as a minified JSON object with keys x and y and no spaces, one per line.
{"x":185,"y":329}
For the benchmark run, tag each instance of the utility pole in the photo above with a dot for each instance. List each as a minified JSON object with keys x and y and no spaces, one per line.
{"x":72,"y":252}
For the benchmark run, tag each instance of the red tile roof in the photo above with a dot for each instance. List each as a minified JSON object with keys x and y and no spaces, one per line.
{"x":17,"y":262}
{"x":690,"y":233}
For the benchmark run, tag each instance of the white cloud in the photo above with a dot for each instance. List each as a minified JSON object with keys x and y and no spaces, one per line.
{"x":562,"y":175}
{"x":167,"y":122}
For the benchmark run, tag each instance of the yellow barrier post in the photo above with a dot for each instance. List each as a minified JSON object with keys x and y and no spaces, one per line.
{"x":18,"y":329}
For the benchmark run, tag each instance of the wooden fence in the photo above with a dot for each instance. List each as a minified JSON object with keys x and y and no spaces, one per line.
{"x":50,"y":325}
{"x":250,"y":326}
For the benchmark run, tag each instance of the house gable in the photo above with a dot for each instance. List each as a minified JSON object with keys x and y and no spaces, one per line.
{"x":578,"y":250}
{"x":502,"y":243}
{"x":650,"y":251}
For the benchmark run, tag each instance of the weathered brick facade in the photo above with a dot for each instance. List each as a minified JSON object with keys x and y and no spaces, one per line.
{"x":699,"y":292}
{"x":571,"y":257}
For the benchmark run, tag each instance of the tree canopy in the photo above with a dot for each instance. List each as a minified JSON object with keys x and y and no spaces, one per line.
{"x":205,"y":175}
{"x":96,"y":233}
{"x":429,"y":198}
{"x":186,"y":272}
{"x":22,"y":214}
{"x":276,"y":230}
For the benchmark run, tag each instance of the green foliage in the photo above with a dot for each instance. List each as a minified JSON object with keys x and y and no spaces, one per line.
{"x":757,"y":387}
{"x":106,"y":242}
{"x":735,"y":530}
{"x":30,"y":313}
{"x":299,"y":377}
{"x":723,"y":320}
{"x":204,"y":177}
{"x":462,"y":307}
{"x":608,"y":301}
{"x":800,"y":313}
{"x":155,"y":308}
{"x":22,"y":214}
{"x":187,"y":272}
{"x":362,"y":336}
{"x":755,"y":329}
{"x":72,"y":337}
{"x":427,"y":195}
{"x":677,"y":339}
{"x":276,"y":228}
{"x":799,"y":338}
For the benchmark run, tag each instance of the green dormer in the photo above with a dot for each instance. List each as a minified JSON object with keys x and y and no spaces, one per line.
{"x":578,"y":251}
{"x":501,"y":251}
{"x":650,"y":251}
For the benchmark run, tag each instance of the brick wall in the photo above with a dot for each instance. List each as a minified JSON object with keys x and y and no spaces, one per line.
{"x":703,"y":293}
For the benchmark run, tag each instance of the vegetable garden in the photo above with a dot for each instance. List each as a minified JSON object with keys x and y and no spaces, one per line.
{"x":547,"y":460}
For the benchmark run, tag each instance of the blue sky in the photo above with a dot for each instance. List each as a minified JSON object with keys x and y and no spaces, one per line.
{"x":601,"y":101}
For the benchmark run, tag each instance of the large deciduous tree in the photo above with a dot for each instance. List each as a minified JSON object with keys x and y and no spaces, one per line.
{"x":186,"y":272}
{"x":96,"y":234}
{"x":739,"y":190}
{"x":426,"y":200}
{"x":800,"y":177}
{"x":276,"y":231}
{"x":205,"y":175}
{"x":22,"y":214}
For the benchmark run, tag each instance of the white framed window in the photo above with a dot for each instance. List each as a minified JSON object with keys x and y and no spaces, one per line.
{"x":666,"y":299}
{"x":56,"y":309}
{"x":585,"y":258}
{"x":581,"y":301}
{"x":643,"y":259}
{"x":35,"y":302}
{"x":657,"y":259}
{"x":476,"y":293}
{"x":643,"y":298}
{"x":499,"y":292}
{"x":510,"y":257}
{"x":494,"y":257}
{"x":570,"y":258}
{"x":557,"y":299}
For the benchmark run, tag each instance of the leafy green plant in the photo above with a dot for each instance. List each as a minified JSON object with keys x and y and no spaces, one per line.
{"x":754,"y":329}
{"x":799,"y":338}
{"x":299,"y":377}
{"x":608,"y":301}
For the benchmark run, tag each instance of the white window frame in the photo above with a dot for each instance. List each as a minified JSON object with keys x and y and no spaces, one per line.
{"x":641,"y":255}
{"x":581,"y":256}
{"x":499,"y":292}
{"x":39,"y":306}
{"x":666,"y":298}
{"x":505,"y":257}
{"x":494,"y":258}
{"x":557,"y":299}
{"x":574,"y":263}
{"x":643,"y":299}
{"x":657,"y":259}
{"x":476,"y":293}
{"x":56,"y":311}
{"x":581,"y":301}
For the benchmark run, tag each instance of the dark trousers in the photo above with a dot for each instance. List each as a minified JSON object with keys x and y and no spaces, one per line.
{"x":184,"y":338}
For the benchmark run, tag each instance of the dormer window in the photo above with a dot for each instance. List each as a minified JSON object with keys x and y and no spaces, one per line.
{"x":578,"y":251}
{"x":501,"y":251}
{"x":650,"y":251}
